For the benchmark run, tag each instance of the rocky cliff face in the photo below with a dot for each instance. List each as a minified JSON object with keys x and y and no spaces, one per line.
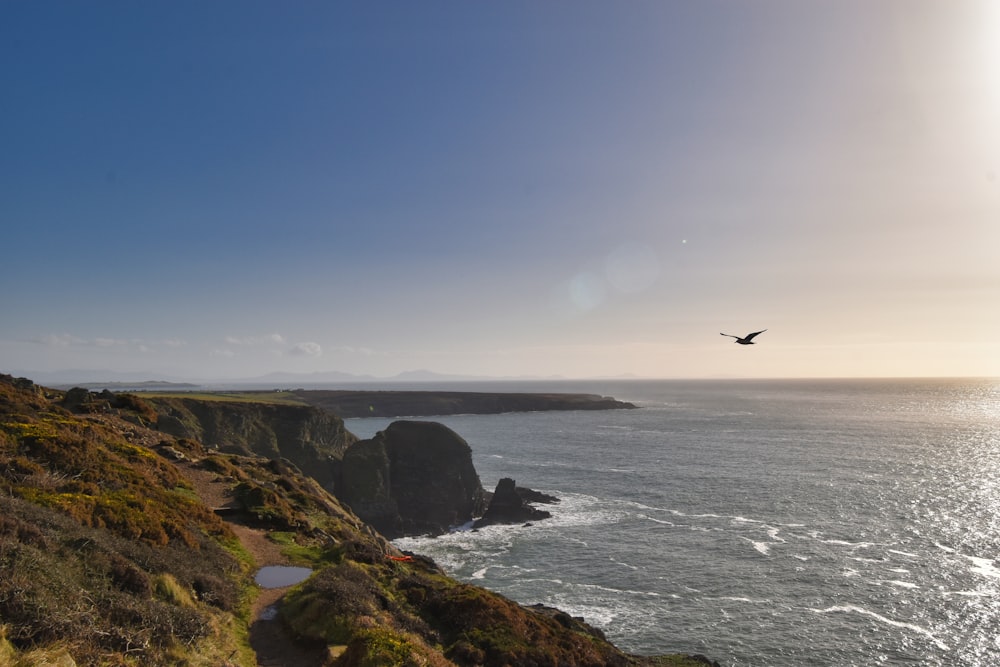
{"x":414,"y":477}
{"x":311,"y":438}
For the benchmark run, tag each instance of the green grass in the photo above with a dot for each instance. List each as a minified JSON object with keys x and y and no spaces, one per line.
{"x":297,"y":553}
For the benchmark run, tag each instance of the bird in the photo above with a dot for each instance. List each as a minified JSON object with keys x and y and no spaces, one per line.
{"x":746,"y":340}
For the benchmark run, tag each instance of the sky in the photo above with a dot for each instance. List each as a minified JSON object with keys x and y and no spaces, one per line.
{"x":222,"y":190}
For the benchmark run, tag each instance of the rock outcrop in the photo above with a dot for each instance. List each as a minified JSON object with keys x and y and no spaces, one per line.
{"x":510,"y":504}
{"x":412,"y":478}
{"x":311,"y":438}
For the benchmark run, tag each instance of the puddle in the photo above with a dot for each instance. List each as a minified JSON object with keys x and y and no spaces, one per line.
{"x":279,"y":576}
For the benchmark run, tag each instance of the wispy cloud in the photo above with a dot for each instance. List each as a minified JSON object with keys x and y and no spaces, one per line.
{"x":70,"y":340}
{"x":112,"y":342}
{"x":270,"y":339}
{"x":307,"y":349}
{"x":58,"y":340}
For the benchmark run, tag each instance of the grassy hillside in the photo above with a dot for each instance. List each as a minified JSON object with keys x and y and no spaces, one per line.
{"x":112,"y":553}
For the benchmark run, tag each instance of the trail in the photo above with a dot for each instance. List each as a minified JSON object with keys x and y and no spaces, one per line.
{"x":269,"y":638}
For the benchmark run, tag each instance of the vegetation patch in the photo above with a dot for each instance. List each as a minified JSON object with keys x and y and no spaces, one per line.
{"x":310,"y":554}
{"x":265,"y":397}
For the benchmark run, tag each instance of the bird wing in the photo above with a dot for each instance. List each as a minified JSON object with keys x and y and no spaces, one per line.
{"x":750,"y":336}
{"x":730,"y":335}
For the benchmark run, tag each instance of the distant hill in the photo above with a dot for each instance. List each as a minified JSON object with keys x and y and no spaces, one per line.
{"x":393,"y":403}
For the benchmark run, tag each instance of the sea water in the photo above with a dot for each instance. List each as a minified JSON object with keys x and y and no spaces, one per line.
{"x":771,"y":523}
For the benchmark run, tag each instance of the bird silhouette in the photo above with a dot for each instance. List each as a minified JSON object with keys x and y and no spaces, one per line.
{"x":746,"y":340}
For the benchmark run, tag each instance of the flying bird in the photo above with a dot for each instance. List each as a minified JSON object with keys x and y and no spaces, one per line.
{"x":746,"y":340}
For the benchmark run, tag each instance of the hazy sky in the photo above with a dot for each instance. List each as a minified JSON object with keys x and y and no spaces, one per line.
{"x":225,"y":189}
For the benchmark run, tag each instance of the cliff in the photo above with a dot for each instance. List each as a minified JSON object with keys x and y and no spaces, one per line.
{"x":122,"y":545}
{"x":412,"y":478}
{"x":311,"y":438}
{"x":349,"y":404}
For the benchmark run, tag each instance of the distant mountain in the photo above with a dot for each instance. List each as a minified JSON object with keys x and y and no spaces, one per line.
{"x":424,"y":375}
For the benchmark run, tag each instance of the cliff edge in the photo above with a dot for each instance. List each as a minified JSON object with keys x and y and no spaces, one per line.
{"x":123,"y":545}
{"x":412,"y":478}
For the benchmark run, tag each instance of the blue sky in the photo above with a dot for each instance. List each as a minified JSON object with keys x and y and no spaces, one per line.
{"x":227,"y":189}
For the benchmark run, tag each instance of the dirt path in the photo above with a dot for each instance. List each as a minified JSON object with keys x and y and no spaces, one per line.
{"x":269,"y":638}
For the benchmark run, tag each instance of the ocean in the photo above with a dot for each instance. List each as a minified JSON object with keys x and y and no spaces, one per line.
{"x":758,"y":522}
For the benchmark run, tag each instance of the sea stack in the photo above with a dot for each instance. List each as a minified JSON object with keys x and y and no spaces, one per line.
{"x":509,"y":505}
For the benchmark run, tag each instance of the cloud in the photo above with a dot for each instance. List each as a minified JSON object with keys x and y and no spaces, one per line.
{"x":111,"y":342}
{"x":307,"y":349}
{"x":270,"y":339}
{"x":106,"y":342}
{"x":59,"y":340}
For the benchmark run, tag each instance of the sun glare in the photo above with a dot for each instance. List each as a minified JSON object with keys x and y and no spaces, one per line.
{"x":989,"y":44}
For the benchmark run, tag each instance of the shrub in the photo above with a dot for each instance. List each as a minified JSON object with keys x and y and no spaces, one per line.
{"x":167,"y":589}
{"x":133,"y":403}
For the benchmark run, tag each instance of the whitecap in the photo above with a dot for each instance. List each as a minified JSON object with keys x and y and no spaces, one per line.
{"x":902,"y":584}
{"x":616,"y":591}
{"x":623,"y":564}
{"x":845,"y":543}
{"x":743,"y":519}
{"x":904,"y":553}
{"x":882,"y":619}
{"x":984,"y":566}
{"x":662,"y":522}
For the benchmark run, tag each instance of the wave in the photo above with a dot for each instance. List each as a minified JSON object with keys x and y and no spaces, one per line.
{"x":882,"y":619}
{"x":984,"y":566}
